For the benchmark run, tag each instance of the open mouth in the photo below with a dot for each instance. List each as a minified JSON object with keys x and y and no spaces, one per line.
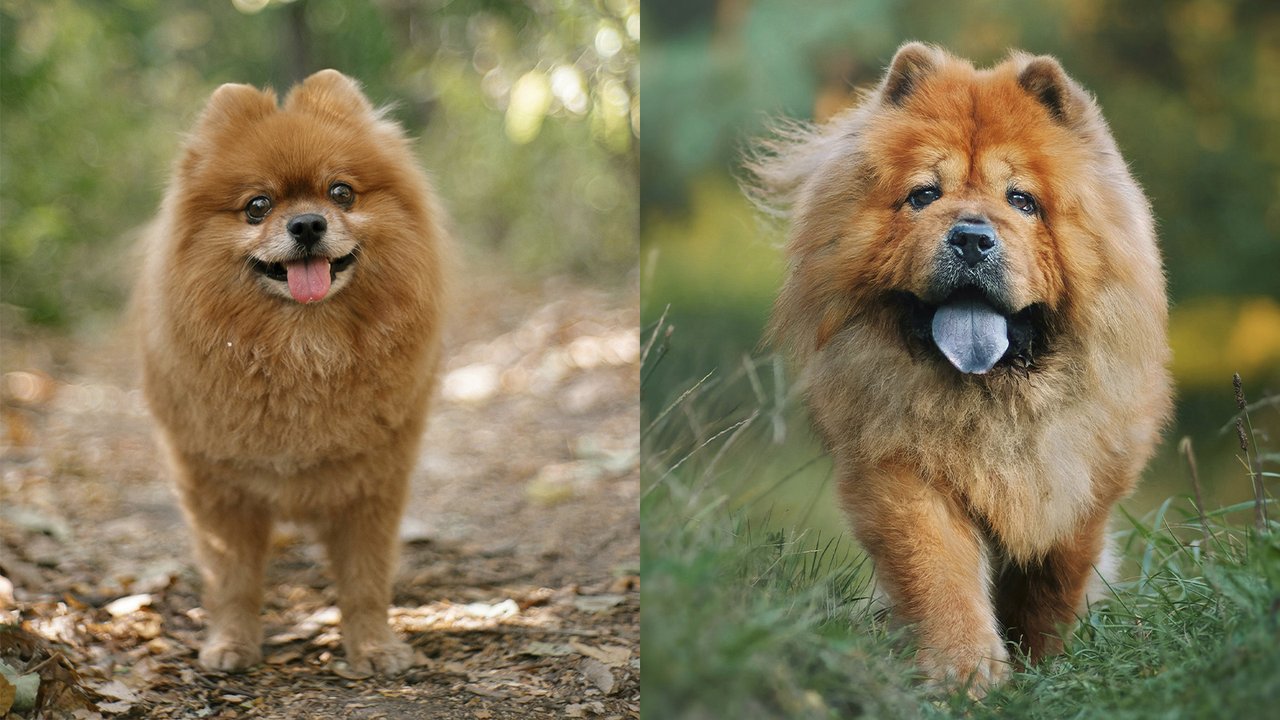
{"x":309,"y":278}
{"x":974,"y":334}
{"x":277,"y":270}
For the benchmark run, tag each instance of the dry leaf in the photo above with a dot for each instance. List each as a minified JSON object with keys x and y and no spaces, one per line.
{"x":580,"y":710}
{"x":343,"y":670}
{"x":506,"y":608}
{"x":625,"y":583}
{"x":598,"y":673}
{"x":128,"y":605}
{"x":546,"y":649}
{"x":281,"y":658}
{"x":597,"y":603}
{"x":614,"y":655}
{"x":116,"y":689}
{"x":8,"y":693}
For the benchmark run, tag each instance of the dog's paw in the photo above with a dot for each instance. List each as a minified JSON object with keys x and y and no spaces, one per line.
{"x":229,"y":656}
{"x":390,"y":657}
{"x":974,"y":669}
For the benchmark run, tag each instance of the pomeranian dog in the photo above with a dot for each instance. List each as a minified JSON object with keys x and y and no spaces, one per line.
{"x":291,"y":301}
{"x":975,"y":297}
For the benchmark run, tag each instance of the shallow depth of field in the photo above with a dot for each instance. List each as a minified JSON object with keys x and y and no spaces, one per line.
{"x":518,"y":580}
{"x":745,"y":553}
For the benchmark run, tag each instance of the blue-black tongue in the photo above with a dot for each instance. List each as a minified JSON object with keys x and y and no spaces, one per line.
{"x":971,"y":334}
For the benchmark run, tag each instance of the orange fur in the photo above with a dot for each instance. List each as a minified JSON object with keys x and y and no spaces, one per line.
{"x":982,"y":497}
{"x":271,"y":408}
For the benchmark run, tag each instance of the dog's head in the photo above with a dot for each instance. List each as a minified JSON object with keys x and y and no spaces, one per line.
{"x":293,"y":201}
{"x":968,"y":203}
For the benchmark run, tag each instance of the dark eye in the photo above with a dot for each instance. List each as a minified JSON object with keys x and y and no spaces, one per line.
{"x":342,"y":194}
{"x":1022,"y":201}
{"x":923,"y":196}
{"x":257,"y":209}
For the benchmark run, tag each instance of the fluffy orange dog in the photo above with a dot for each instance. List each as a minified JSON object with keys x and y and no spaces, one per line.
{"x":291,"y":297}
{"x":976,"y":298}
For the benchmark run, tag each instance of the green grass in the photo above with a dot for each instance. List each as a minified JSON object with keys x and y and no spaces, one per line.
{"x":749,"y":615}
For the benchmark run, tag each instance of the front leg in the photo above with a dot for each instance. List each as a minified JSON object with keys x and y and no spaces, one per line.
{"x":362,"y":544}
{"x":1037,"y":599}
{"x":931,"y":560}
{"x":231,"y":531}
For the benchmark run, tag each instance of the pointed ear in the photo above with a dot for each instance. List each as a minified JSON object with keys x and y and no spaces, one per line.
{"x":234,"y":103}
{"x":329,"y":93}
{"x":911,"y":63}
{"x":1045,"y":80}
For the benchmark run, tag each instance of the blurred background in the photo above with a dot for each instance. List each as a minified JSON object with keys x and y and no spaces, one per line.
{"x":527,"y":116}
{"x":1191,"y":89}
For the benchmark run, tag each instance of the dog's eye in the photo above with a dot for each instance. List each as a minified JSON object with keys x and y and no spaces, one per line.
{"x":257,"y":209}
{"x":1022,"y":202}
{"x":923,"y":196}
{"x":342,"y":194}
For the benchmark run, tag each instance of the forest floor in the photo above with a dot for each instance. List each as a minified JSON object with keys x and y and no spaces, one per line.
{"x":518,"y":582}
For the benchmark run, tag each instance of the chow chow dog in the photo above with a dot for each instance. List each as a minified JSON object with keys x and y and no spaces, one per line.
{"x":291,"y":300}
{"x":975,"y":297}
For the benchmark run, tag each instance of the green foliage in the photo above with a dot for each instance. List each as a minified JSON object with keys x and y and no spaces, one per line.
{"x":95,"y":97}
{"x":750,"y":615}
{"x":1192,"y":637}
{"x":1189,"y":89}
{"x":746,"y":623}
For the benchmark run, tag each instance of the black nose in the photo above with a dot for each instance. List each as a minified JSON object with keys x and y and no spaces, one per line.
{"x":307,"y":229}
{"x":973,"y":242}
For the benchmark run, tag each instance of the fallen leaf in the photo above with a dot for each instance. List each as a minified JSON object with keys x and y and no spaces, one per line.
{"x":128,"y":605}
{"x":35,"y":521}
{"x":598,"y":673}
{"x":597,"y":603}
{"x":308,"y":627}
{"x":580,"y":710}
{"x":17,"y":691}
{"x":486,"y":691}
{"x":281,"y":658}
{"x":505,"y":608}
{"x":625,"y":583}
{"x":546,"y":649}
{"x":343,"y":670}
{"x":116,"y":689}
{"x":613,"y":655}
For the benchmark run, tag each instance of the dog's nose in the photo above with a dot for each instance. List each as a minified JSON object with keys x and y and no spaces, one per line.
{"x":307,"y":229}
{"x":973,"y":242}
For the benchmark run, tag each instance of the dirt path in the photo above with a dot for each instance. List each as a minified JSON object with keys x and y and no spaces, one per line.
{"x":519,"y":573}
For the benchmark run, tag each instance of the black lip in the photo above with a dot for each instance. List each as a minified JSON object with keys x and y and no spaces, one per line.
{"x":276,"y":271}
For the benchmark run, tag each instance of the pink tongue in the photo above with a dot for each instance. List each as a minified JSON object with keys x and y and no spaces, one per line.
{"x":308,"y":279}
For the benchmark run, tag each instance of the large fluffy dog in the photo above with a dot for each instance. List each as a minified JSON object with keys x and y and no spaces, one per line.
{"x":976,"y":299}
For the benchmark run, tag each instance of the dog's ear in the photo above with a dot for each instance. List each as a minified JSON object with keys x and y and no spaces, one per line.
{"x":329,"y":93}
{"x":1044,"y":79}
{"x":235,"y":103}
{"x":911,"y":63}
